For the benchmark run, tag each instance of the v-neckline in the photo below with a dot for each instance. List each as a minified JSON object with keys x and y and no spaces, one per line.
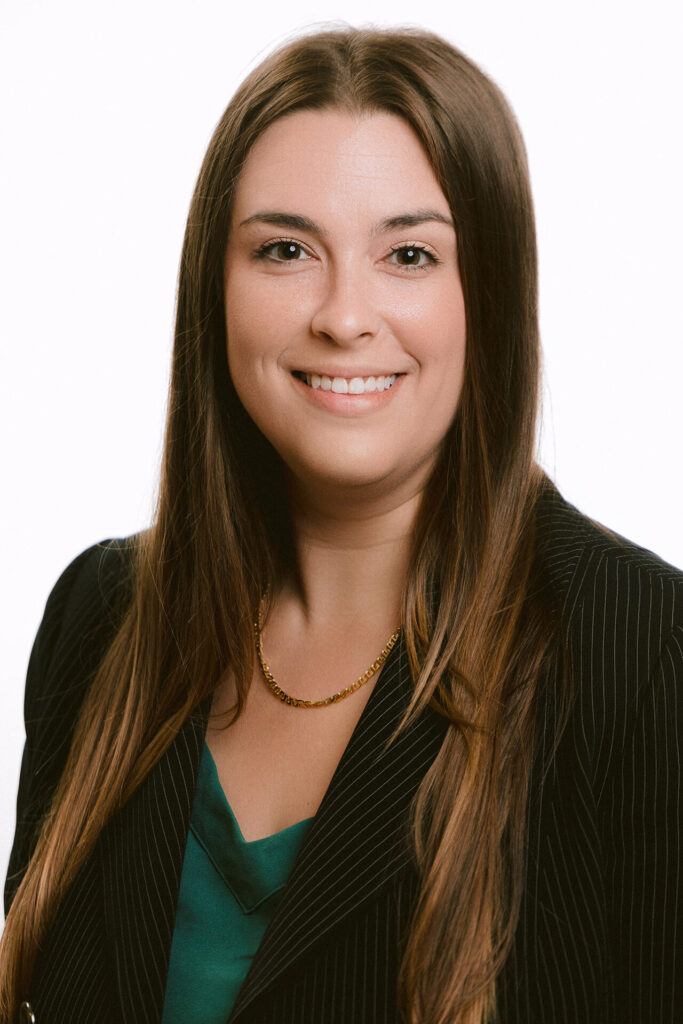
{"x":253,"y":870}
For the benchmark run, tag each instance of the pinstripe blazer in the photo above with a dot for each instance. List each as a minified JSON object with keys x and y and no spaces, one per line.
{"x":597,"y":941}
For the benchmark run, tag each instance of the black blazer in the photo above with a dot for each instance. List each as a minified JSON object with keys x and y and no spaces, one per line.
{"x":598,"y":938}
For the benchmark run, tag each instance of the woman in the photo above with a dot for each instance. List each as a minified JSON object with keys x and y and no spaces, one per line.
{"x":371,"y":724}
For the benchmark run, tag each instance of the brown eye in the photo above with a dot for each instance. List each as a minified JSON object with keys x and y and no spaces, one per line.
{"x":412,"y":257}
{"x":284,"y":250}
{"x":287,"y":251}
{"x":408,"y":257}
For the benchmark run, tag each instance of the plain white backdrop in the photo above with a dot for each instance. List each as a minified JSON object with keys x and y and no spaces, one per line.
{"x":106,"y":114}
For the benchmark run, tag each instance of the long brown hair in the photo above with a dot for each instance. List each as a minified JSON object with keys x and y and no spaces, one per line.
{"x":199,"y":571}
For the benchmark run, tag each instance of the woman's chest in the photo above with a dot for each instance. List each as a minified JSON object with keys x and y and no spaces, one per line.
{"x":276,"y":761}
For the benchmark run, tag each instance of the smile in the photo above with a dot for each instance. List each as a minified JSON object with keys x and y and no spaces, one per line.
{"x":347,"y":385}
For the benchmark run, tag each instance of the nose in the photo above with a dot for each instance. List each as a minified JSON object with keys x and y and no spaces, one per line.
{"x":347,"y":313}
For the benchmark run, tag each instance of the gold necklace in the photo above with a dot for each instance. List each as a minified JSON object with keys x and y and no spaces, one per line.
{"x":297,"y":702}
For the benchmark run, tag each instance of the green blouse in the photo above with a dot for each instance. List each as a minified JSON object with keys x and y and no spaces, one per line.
{"x":229,"y":890}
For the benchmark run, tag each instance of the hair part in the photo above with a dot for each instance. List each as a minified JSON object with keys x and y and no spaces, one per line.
{"x":476,"y":653}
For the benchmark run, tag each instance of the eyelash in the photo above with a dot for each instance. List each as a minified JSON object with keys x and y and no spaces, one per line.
{"x":263,"y":253}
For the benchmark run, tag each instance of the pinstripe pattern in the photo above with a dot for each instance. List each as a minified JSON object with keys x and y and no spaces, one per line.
{"x":597,"y":940}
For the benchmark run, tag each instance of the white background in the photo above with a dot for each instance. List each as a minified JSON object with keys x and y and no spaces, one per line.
{"x":106,"y":114}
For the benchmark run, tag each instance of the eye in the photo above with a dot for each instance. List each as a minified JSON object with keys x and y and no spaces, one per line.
{"x":282,"y":250}
{"x":413,"y":257}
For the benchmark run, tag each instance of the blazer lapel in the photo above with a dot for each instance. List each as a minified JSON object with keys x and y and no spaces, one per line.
{"x":143,"y":849}
{"x":359,"y":840}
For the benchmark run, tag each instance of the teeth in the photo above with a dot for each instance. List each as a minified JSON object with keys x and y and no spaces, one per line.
{"x":350,"y":385}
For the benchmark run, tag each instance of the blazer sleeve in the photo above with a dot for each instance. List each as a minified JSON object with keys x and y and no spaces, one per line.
{"x":644,"y":843}
{"x":50,"y":707}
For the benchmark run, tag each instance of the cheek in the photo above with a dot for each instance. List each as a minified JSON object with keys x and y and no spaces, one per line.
{"x":440,"y":340}
{"x":244,"y":315}
{"x":242,"y":334}
{"x":247,"y":333}
{"x":255,"y":337}
{"x":444,"y":349}
{"x":260,"y":318}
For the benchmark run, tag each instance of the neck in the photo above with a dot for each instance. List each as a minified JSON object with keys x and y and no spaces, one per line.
{"x":351,"y":559}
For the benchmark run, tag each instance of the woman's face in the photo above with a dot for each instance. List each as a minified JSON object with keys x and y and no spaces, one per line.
{"x":344,"y":310}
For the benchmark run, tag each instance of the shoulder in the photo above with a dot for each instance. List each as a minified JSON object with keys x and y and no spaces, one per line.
{"x":593,"y":570}
{"x":80,"y":619}
{"x":97,"y":573}
{"x":621,"y":620}
{"x":90,"y":590}
{"x":81,"y":615}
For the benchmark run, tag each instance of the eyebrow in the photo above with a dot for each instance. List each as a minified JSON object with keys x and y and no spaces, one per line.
{"x":296,"y":222}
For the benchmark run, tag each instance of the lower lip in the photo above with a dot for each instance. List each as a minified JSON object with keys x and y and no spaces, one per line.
{"x":349,"y":405}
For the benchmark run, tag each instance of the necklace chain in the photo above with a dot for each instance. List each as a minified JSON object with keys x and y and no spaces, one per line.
{"x":297,"y":702}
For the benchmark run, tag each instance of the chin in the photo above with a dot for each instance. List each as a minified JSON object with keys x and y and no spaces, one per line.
{"x":338,"y":477}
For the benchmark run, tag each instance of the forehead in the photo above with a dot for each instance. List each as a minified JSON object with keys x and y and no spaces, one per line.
{"x":329,"y":163}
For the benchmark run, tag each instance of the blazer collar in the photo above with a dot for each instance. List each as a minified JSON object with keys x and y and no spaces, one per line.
{"x":357,"y":843}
